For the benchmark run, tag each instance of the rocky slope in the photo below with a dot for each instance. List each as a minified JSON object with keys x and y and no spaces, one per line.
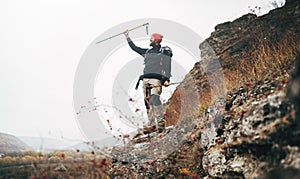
{"x":258,"y":135}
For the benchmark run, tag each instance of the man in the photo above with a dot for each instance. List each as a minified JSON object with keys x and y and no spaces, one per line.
{"x":157,"y":73}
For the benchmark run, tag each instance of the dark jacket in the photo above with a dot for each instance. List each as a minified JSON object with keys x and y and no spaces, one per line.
{"x":157,"y":61}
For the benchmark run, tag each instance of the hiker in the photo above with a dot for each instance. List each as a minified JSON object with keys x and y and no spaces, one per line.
{"x":157,"y":73}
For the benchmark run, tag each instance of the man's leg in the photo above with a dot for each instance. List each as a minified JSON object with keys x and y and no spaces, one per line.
{"x":147,"y":95}
{"x":152,"y":90}
{"x":156,"y":105}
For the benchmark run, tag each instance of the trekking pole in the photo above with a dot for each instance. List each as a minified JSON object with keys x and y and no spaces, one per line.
{"x":146,"y":24}
{"x":175,"y":83}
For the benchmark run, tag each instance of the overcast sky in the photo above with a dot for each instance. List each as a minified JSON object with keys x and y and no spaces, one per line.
{"x":42,"y":41}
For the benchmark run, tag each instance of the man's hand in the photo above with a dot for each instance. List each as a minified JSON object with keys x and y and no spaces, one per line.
{"x":166,"y":83}
{"x":126,"y":33}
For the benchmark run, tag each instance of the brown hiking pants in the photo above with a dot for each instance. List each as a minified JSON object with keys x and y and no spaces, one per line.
{"x":156,"y":89}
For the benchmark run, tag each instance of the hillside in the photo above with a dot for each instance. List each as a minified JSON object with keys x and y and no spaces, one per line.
{"x":10,"y":144}
{"x":46,"y":144}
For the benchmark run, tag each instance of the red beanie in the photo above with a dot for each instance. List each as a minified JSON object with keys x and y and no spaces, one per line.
{"x":157,"y":37}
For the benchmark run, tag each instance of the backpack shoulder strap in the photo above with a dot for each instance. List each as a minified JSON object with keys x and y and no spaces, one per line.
{"x":166,"y":51}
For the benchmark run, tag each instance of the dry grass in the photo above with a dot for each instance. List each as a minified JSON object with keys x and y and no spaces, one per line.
{"x":57,"y":164}
{"x":268,"y":59}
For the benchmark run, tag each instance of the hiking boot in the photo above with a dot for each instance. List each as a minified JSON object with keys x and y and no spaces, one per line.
{"x":161,"y":129}
{"x":161,"y":124}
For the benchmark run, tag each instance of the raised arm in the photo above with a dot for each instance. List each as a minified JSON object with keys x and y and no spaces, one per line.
{"x":135,"y":48}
